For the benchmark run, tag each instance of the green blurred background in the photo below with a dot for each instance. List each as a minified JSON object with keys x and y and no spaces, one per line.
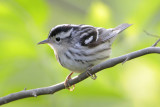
{"x":24,"y":64}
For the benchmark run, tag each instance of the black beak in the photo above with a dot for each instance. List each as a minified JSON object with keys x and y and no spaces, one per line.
{"x":44,"y":42}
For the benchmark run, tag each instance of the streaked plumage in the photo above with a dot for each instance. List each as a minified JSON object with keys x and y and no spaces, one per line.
{"x":78,"y":47}
{"x":82,"y":46}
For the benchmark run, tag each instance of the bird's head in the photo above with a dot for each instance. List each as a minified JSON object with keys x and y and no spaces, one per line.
{"x":59,"y":37}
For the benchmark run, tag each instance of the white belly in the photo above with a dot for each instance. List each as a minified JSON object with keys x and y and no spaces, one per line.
{"x":78,"y":60}
{"x":80,"y":64}
{"x":75,"y":66}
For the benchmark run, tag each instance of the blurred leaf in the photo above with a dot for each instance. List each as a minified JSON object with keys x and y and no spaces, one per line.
{"x":99,"y":15}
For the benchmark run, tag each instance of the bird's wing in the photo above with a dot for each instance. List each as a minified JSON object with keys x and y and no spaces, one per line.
{"x":87,"y":35}
{"x":91,"y":36}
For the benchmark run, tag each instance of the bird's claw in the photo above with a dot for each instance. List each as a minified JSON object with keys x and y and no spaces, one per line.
{"x":93,"y":76}
{"x":67,"y":85}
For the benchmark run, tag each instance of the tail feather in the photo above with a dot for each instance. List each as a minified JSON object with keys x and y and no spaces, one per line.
{"x":122,"y":27}
{"x":115,"y":31}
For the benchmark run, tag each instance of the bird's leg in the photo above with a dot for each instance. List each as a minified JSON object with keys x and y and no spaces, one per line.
{"x":93,"y":76}
{"x":66,"y":84}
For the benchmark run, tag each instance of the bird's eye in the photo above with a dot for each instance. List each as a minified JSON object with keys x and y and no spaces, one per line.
{"x":58,"y":39}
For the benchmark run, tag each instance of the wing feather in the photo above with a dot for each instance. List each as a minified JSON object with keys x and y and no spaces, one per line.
{"x":88,"y":35}
{"x":91,"y":36}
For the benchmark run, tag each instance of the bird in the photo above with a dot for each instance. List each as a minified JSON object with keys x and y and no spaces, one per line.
{"x":80,"y":47}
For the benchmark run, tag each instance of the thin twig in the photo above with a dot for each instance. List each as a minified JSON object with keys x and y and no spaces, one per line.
{"x":127,"y":58}
{"x":155,"y":44}
{"x":157,"y":36}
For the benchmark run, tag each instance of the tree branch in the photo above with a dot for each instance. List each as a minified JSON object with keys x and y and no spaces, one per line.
{"x":52,"y":89}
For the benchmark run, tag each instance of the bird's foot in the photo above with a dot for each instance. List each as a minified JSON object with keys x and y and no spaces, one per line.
{"x":66,"y":84}
{"x":93,"y":76}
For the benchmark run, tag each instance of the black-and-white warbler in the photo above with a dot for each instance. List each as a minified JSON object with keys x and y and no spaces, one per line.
{"x":79,"y":47}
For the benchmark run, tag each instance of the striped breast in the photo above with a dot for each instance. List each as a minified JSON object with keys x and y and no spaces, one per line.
{"x":78,"y":60}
